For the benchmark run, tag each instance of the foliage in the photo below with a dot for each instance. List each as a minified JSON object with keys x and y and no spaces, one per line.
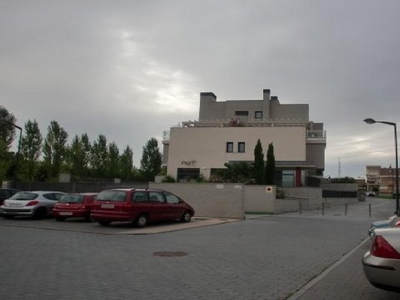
{"x":99,"y":154}
{"x":54,"y":148}
{"x":259,"y":172}
{"x":31,"y":148}
{"x":113,"y":158}
{"x":79,"y":156}
{"x":343,"y":180}
{"x":127,"y":171}
{"x":280,"y":194}
{"x":270,"y":166}
{"x":151,"y":160}
{"x":7,"y":131}
{"x":168,"y":178}
{"x":238,"y":172}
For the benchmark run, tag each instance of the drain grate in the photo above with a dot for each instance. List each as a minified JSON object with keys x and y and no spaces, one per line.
{"x":170,"y":254}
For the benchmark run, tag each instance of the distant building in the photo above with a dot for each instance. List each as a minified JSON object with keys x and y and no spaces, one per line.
{"x":227,"y":132}
{"x":381,"y":179}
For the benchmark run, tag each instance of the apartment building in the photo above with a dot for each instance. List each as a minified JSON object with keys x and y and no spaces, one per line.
{"x":227,"y":132}
{"x":381,"y":179}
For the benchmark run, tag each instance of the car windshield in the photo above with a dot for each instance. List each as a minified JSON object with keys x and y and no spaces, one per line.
{"x":24,"y":196}
{"x":72,"y":199}
{"x":112,"y":196}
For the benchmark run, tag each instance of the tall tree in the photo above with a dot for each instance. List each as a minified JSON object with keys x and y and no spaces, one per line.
{"x":31,"y":148}
{"x":259,"y":168}
{"x":77,"y":157}
{"x":113,"y":170}
{"x":54,"y":148}
{"x":7,"y":131}
{"x":99,"y":154}
{"x":126,"y":164}
{"x":150,"y":163}
{"x":270,"y":167}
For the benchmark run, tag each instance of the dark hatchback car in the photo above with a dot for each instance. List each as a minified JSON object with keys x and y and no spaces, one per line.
{"x":7,"y":193}
{"x":74,"y":206}
{"x":139,"y":206}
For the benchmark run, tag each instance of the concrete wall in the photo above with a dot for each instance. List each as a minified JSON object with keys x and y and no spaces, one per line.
{"x":259,"y":199}
{"x":205,"y":147}
{"x":208,"y":199}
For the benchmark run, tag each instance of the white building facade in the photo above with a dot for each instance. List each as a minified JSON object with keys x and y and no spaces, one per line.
{"x":227,"y":132}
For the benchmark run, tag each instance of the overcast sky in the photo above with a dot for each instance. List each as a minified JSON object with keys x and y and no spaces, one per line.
{"x":132,"y":69}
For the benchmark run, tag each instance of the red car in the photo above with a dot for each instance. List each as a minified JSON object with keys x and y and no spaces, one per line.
{"x":74,"y":206}
{"x":139,"y":206}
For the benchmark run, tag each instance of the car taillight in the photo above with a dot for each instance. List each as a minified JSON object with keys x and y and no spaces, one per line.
{"x":381,"y":248}
{"x":397,"y":224}
{"x":30,"y":203}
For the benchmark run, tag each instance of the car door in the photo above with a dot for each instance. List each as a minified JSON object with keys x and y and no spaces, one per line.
{"x":175,"y":208}
{"x":159,"y":207}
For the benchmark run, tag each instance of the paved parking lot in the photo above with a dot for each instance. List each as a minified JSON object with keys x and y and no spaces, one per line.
{"x":268,"y":257}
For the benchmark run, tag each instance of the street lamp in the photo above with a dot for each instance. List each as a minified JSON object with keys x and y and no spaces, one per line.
{"x":372,"y":121}
{"x":4,"y":122}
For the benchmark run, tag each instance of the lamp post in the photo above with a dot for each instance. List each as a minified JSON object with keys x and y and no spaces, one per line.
{"x":4,"y":122}
{"x":372,"y":121}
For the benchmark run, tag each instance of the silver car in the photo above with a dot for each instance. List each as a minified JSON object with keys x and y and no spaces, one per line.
{"x":37,"y":204}
{"x":382,"y":263}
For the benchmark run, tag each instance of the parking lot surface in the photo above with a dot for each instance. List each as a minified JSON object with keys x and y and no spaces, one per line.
{"x":266,"y":257}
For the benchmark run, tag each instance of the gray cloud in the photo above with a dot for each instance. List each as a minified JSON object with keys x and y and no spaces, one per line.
{"x":131,"y":69}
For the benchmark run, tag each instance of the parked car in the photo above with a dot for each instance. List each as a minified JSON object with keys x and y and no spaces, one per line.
{"x":371,"y":194}
{"x":37,"y":204}
{"x":381,"y":263}
{"x":74,"y":206}
{"x":393,"y":221}
{"x":139,"y":206}
{"x":5,"y":194}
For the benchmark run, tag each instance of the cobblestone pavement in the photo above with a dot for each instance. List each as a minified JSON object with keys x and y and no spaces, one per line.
{"x":268,"y":257}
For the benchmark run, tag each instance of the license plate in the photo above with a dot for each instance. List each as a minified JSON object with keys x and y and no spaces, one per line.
{"x":107,"y":206}
{"x":65,"y":213}
{"x":15,"y":205}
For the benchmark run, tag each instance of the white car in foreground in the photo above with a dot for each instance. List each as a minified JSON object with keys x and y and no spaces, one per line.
{"x":37,"y":204}
{"x":382,"y":263}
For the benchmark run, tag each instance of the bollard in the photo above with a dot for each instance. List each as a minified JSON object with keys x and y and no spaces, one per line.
{"x":345,"y":209}
{"x":370,"y":210}
{"x":323,"y":208}
{"x":300,"y":208}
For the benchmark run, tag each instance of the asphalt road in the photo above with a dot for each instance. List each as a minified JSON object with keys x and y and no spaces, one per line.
{"x":263,"y":257}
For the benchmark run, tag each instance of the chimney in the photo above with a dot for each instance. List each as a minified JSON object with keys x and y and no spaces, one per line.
{"x":266,"y":94}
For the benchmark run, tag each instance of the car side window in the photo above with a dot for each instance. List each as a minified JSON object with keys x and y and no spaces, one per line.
{"x":58,"y":196}
{"x":139,"y":197}
{"x":49,"y":196}
{"x":171,"y":198}
{"x":156,"y":197}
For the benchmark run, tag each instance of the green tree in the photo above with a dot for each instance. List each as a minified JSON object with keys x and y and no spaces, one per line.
{"x":270,"y":166}
{"x":31,"y":148}
{"x":126,"y":164}
{"x":113,"y":164}
{"x":4,"y":160}
{"x":7,"y":131}
{"x":54,"y":148}
{"x":78,"y":158}
{"x":99,"y":154}
{"x":259,"y":168}
{"x":150,"y":163}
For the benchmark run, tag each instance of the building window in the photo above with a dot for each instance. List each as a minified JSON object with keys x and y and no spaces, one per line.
{"x":258,"y":115}
{"x":229,"y":147}
{"x":241,"y":147}
{"x":241,"y":113}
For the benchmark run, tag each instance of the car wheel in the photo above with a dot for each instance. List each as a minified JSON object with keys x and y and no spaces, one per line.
{"x":186,"y":217}
{"x":104,"y":223}
{"x":60,"y":218}
{"x":8,"y":217}
{"x":40,"y":213}
{"x":141,"y":221}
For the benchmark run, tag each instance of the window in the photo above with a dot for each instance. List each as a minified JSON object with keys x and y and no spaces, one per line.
{"x":140,"y":197}
{"x":241,"y":147}
{"x":172,"y":199}
{"x":229,"y":147}
{"x":156,"y":197}
{"x":241,"y":113}
{"x":258,"y":114}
